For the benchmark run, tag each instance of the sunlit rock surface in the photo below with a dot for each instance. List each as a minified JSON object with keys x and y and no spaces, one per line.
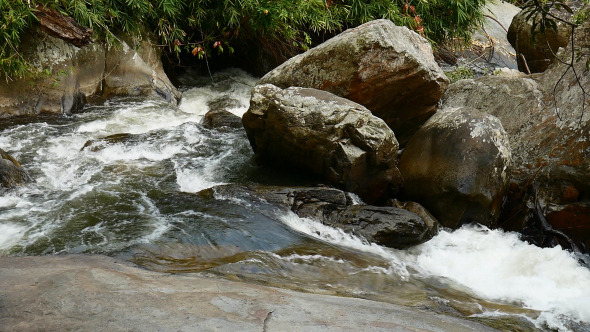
{"x":98,"y":293}
{"x":319,"y":132}
{"x":388,"y":69}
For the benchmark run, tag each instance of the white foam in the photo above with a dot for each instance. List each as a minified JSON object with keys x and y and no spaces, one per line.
{"x":9,"y":201}
{"x":10,"y":234}
{"x":296,"y":258}
{"x":193,"y":181}
{"x":118,"y":152}
{"x":195,"y":100}
{"x":497,"y":266}
{"x":235,"y":82}
{"x":332,"y":235}
{"x":138,"y":119}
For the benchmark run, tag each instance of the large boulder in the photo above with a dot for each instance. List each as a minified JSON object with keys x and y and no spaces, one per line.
{"x":549,"y":131}
{"x":386,"y":68}
{"x":389,"y":226}
{"x":539,"y":50}
{"x":11,"y":172}
{"x":133,"y":67}
{"x":326,"y":135}
{"x":457,"y":166}
{"x":67,"y":75}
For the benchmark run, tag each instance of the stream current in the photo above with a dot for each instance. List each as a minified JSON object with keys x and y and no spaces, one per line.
{"x":139,"y":198}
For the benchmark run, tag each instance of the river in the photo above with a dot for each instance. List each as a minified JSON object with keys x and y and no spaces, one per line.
{"x":139,"y":198}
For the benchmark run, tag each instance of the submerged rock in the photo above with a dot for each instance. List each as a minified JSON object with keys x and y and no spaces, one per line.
{"x":219,"y":115}
{"x":457,"y":166}
{"x":221,"y":118}
{"x":12,"y":173}
{"x":388,"y":69}
{"x":98,"y":144}
{"x":389,"y":226}
{"x":326,"y":135}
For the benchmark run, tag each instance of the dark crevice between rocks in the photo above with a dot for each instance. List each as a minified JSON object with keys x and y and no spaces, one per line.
{"x":525,"y":212}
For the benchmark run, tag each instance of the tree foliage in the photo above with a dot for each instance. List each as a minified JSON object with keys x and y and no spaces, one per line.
{"x":205,"y":27}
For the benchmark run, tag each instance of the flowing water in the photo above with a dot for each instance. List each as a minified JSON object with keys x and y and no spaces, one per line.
{"x":139,"y":197}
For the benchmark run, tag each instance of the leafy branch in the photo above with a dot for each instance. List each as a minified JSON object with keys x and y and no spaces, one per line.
{"x":281,"y":26}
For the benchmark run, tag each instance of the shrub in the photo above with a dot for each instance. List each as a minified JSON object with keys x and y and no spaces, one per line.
{"x":206,"y":27}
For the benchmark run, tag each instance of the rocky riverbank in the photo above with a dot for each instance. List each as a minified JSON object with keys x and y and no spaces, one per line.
{"x":99,"y":293}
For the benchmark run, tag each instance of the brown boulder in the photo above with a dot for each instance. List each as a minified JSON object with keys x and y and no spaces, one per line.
{"x":219,"y":115}
{"x":539,"y":51}
{"x":11,"y":172}
{"x":456,"y":165}
{"x":388,"y":69}
{"x":326,"y":135}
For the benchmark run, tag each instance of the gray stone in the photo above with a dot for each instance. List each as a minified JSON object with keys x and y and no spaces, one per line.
{"x":99,"y":293}
{"x":134,"y":68}
{"x":388,"y":69}
{"x":70,"y":75}
{"x":492,"y":35}
{"x":457,"y":166}
{"x":316,"y":131}
{"x":66,"y":73}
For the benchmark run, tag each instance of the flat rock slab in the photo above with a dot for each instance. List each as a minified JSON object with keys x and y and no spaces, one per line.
{"x":99,"y":293}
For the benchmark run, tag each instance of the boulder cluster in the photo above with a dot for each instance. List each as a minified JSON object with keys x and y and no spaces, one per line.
{"x":371,"y":112}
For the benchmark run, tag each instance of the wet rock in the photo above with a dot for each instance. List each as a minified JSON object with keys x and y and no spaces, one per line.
{"x":98,"y":144}
{"x":219,"y":115}
{"x":573,"y":220}
{"x":389,"y":226}
{"x":12,"y":173}
{"x":221,"y":118}
{"x":539,"y":52}
{"x":326,"y":135}
{"x":457,"y":166}
{"x":388,"y":69}
{"x":418,"y":209}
